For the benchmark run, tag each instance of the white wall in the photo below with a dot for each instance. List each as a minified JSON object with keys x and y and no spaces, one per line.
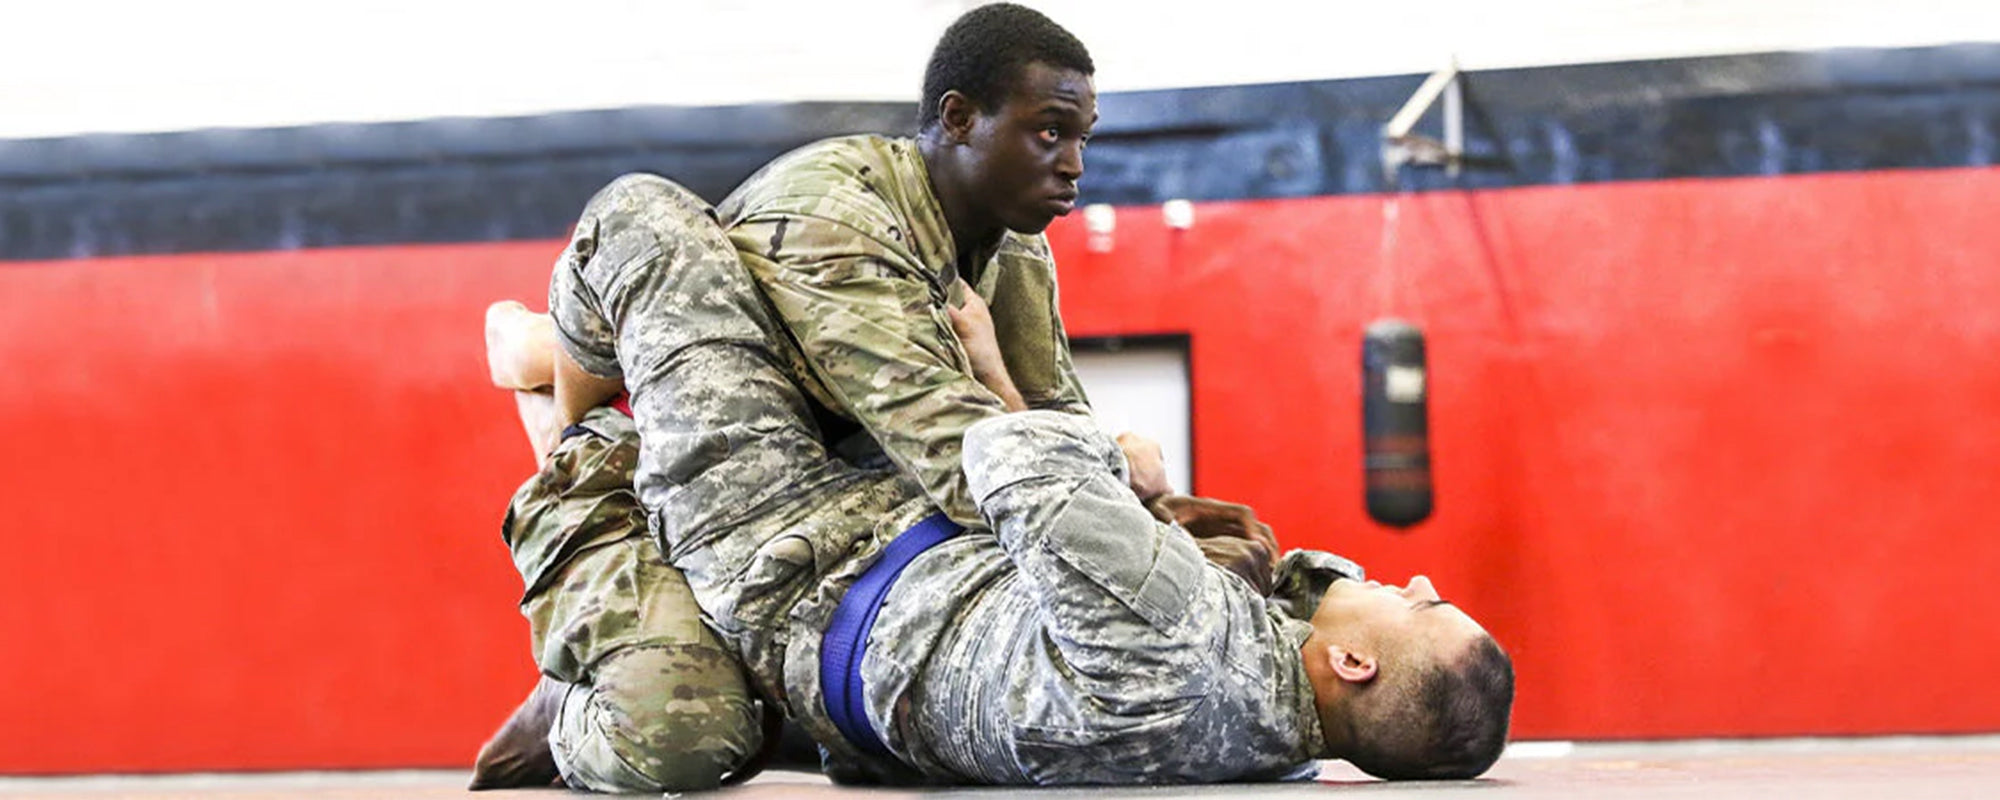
{"x":70,"y":66}
{"x":1144,"y":389}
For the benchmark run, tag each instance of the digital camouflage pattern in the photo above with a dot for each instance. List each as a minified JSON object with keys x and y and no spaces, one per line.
{"x":850,"y":246}
{"x":1104,"y":648}
{"x":1075,"y":640}
{"x":655,"y":702}
{"x":739,"y":490}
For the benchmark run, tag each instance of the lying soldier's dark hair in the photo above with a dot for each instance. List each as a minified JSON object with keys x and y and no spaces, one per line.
{"x":982,"y":54}
{"x":1448,"y":723}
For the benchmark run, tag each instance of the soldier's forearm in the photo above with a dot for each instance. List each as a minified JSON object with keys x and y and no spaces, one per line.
{"x":1002,"y":386}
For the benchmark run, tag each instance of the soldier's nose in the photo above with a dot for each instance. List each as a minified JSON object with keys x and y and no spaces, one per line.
{"x":1069,"y":166}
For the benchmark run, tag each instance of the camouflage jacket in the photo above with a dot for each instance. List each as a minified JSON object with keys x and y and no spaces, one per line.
{"x":1080,"y":641}
{"x":849,"y":245}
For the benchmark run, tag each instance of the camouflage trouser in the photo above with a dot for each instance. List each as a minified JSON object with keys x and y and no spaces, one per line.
{"x":656,"y":702}
{"x":745,"y":498}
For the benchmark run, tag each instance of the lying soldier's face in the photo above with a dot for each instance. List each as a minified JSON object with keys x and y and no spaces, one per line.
{"x":1412,"y":618}
{"x":1407,"y":685}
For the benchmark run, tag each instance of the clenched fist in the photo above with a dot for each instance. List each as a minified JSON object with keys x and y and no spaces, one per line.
{"x":1228,"y":533}
{"x":1149,"y":467}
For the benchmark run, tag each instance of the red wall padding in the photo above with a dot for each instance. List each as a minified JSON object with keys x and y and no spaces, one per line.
{"x":253,"y":510}
{"x":1713,"y":458}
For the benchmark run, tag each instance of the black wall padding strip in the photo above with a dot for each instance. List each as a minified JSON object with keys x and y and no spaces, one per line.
{"x":453,"y":180}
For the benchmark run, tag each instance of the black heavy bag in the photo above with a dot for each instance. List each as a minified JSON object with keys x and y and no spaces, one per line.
{"x":1395,"y":429}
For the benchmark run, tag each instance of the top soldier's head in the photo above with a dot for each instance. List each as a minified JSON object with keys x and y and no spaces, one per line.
{"x":1008,"y":104}
{"x":1408,"y":686}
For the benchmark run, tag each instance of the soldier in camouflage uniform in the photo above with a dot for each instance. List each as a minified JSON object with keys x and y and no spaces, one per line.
{"x":640,"y":302}
{"x":861,"y":244}
{"x":848,"y":243}
{"x":1069,"y":636}
{"x":1073,"y":638}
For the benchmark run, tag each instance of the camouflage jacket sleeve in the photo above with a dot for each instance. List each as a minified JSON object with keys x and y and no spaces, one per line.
{"x":875,"y":337}
{"x":1119,"y":589}
{"x":1147,"y":664}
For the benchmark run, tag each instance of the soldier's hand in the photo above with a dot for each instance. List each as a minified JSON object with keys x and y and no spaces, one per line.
{"x":1249,"y":559}
{"x":973,"y":324}
{"x":1214,"y":519}
{"x":972,"y":320}
{"x":1149,"y":467}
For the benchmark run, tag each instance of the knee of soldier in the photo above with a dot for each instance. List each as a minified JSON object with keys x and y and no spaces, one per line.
{"x":1010,"y":448}
{"x":634,"y":188}
{"x":686,"y":718}
{"x":643,"y":198}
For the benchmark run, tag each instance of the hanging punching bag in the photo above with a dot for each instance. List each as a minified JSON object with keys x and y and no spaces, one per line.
{"x":1395,"y":429}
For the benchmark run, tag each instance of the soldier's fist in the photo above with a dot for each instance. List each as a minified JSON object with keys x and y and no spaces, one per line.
{"x":1149,"y":467}
{"x":1214,"y":519}
{"x":1250,"y":560}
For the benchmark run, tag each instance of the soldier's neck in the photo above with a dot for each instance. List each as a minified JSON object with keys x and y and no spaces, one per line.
{"x":1331,"y":698}
{"x":973,"y":231}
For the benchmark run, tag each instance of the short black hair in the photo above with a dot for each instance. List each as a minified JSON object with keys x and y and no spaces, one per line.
{"x":1449,"y":723}
{"x":982,"y":54}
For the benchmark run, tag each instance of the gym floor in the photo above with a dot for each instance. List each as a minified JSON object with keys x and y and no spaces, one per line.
{"x":1927,"y":767}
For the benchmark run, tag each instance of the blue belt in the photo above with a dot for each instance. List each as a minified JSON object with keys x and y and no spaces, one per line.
{"x":846,"y":637}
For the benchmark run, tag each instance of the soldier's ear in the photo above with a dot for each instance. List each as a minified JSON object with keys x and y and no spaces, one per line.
{"x":955,"y":112}
{"x":1351,"y":666}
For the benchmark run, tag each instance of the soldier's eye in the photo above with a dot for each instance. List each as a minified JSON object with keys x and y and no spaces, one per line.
{"x":1051,"y":134}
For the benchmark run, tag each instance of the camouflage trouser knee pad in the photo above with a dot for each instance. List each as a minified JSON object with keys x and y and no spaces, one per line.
{"x":665,"y":718}
{"x":647,"y":248}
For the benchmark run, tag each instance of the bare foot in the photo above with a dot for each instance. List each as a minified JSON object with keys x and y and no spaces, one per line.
{"x":520,"y":347}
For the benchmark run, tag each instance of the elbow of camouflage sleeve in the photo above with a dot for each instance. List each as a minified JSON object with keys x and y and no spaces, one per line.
{"x":956,"y":502}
